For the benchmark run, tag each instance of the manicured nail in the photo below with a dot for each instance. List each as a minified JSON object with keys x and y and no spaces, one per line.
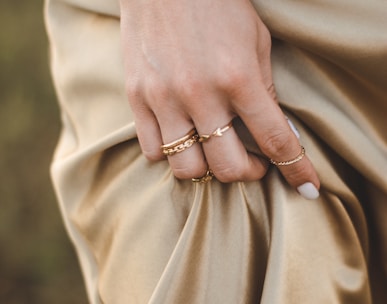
{"x":308,"y":191}
{"x":293,"y":127}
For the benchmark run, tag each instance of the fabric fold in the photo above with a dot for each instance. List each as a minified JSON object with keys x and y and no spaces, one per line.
{"x":143,"y":236}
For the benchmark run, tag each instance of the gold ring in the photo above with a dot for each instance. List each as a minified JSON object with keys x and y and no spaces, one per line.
{"x":205,"y":178}
{"x":217,"y":133}
{"x":179,"y":145}
{"x":289,"y":162}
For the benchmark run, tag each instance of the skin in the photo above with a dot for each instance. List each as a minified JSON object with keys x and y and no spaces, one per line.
{"x":199,"y":64}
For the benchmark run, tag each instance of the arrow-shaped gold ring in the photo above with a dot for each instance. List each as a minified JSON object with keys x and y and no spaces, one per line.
{"x":217,"y":133}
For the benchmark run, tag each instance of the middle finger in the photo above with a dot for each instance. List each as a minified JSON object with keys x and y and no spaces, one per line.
{"x":225,"y":153}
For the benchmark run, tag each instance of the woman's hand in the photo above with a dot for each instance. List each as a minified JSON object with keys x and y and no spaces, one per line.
{"x":198,"y":64}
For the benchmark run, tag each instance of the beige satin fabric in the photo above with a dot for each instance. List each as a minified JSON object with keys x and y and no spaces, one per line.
{"x":143,"y":236}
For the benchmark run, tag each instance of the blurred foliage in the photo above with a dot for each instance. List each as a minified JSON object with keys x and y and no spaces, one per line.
{"x":37,"y":261}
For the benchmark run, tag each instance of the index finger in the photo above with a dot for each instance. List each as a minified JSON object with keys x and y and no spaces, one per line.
{"x":271,"y":131}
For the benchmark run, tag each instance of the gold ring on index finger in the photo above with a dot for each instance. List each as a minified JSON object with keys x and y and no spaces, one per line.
{"x":291,"y":161}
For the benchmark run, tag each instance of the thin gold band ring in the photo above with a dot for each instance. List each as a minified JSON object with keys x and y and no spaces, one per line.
{"x":289,"y":162}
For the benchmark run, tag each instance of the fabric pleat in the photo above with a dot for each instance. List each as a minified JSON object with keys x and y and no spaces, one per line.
{"x":142,"y":236}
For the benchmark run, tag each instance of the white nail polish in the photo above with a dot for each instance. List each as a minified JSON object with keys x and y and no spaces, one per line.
{"x":308,"y":191}
{"x":293,"y":127}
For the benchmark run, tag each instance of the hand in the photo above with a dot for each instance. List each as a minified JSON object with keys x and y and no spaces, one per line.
{"x":198,"y":64}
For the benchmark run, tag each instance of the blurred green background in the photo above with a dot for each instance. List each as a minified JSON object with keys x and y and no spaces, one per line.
{"x":37,"y":261}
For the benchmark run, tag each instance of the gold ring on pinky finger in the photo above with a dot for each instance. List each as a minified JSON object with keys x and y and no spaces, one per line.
{"x":205,"y":178}
{"x":289,"y":162}
{"x":179,"y":145}
{"x":217,"y":133}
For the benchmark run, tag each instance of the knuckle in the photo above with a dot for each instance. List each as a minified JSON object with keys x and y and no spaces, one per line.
{"x":133,"y":88}
{"x":187,"y":171}
{"x":239,"y":83}
{"x":264,"y":51}
{"x":189,"y":86}
{"x":228,"y":174}
{"x":156,"y":89}
{"x":275,"y":143}
{"x":152,"y":154}
{"x":234,"y":78}
{"x":265,"y":38}
{"x":181,"y":173}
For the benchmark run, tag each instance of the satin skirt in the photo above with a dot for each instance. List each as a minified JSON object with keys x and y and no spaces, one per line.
{"x":143,"y":236}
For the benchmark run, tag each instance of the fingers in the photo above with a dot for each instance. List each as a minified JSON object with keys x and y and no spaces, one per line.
{"x":223,"y":153}
{"x":226,"y":155}
{"x":275,"y":137}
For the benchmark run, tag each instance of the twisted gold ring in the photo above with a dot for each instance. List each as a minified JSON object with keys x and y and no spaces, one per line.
{"x":205,"y":178}
{"x":217,"y":133}
{"x":179,"y":145}
{"x":289,"y":162}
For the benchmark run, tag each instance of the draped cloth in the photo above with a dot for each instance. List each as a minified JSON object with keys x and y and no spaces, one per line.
{"x":143,"y":236}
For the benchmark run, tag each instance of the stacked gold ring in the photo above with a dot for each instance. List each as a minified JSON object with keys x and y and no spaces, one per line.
{"x":180,"y":144}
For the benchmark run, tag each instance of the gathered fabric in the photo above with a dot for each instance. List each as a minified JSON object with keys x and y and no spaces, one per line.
{"x":143,"y":236}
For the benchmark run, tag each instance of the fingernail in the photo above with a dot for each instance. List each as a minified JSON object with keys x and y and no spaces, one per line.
{"x":308,"y":191}
{"x":293,"y":127}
